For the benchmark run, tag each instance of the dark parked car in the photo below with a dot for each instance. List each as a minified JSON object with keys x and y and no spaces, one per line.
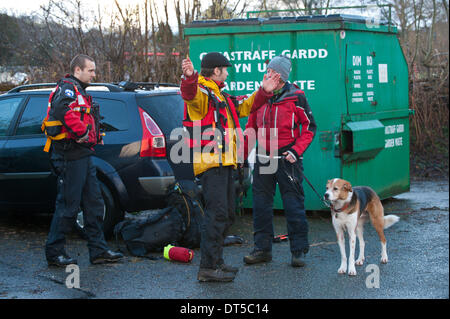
{"x":132,"y":166}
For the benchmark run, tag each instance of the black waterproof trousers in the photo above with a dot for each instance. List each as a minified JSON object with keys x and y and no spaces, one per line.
{"x":77,"y":184}
{"x":264,"y":183}
{"x":219,"y":193}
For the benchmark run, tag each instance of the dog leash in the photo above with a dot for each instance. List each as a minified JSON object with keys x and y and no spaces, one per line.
{"x":295,"y":181}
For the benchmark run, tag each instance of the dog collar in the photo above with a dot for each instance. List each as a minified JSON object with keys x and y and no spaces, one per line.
{"x":340,"y":209}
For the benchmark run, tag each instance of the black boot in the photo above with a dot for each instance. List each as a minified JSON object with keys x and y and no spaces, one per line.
{"x":214,"y":275}
{"x":61,"y":261}
{"x":298,"y":260}
{"x":107,"y":256}
{"x":258,"y":256}
{"x":228,"y":268}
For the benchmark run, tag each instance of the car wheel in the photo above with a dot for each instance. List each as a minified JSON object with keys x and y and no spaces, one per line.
{"x":112,"y":214}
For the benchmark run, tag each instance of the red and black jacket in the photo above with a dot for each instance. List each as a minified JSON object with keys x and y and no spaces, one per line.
{"x":285,"y":119}
{"x":216,"y":118}
{"x":72,"y":106}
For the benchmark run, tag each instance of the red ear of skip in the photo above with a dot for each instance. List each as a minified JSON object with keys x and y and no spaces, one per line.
{"x":348,"y":187}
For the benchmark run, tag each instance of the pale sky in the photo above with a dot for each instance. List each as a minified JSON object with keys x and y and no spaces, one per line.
{"x":32,"y":7}
{"x":28,"y":6}
{"x":20,"y":6}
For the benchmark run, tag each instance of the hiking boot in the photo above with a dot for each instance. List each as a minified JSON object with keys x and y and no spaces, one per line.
{"x":61,"y":261}
{"x":214,"y":275}
{"x":228,"y":268}
{"x":107,"y":256}
{"x":233,"y":240}
{"x":298,"y":260}
{"x":258,"y":256}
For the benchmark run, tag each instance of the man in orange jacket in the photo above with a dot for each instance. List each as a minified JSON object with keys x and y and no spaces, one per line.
{"x":212,"y":119}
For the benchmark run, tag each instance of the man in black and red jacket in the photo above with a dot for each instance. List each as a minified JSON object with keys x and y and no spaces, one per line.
{"x":72,"y":128}
{"x":210,"y":109}
{"x":284,"y":128}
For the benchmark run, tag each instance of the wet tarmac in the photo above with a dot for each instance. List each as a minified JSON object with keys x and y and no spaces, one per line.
{"x":418,"y":250}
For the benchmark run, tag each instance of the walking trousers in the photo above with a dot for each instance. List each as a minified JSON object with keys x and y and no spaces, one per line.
{"x":219,"y":193}
{"x":293,"y":201}
{"x":77,"y":184}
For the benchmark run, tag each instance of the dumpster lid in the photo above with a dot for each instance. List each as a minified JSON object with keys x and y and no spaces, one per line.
{"x":277,"y":20}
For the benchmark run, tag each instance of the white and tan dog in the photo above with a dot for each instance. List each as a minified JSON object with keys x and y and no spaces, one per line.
{"x":351,"y":207}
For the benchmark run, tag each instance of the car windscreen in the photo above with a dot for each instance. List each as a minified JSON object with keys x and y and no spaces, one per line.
{"x":166,"y":110}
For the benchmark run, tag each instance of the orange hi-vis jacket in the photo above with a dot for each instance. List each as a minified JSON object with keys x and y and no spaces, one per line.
{"x":211,"y":120}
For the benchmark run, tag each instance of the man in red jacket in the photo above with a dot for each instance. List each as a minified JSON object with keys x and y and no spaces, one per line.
{"x":284,"y":128}
{"x":72,"y":118}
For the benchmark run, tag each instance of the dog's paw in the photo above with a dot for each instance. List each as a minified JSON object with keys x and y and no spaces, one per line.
{"x":342,"y":270}
{"x":352,"y":271}
{"x":360,"y":261}
{"x":384,"y":259}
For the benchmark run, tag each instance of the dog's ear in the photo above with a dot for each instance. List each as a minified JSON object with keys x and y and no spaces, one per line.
{"x":348,"y":187}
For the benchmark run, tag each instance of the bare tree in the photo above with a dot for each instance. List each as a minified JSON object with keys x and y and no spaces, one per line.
{"x":423,"y":34}
{"x":308,"y":6}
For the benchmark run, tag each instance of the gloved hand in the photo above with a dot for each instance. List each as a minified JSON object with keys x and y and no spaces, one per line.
{"x":84,"y":138}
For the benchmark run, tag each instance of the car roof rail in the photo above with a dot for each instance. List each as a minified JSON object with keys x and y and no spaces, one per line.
{"x":31,"y":86}
{"x":132,"y":86}
{"x":111,"y":87}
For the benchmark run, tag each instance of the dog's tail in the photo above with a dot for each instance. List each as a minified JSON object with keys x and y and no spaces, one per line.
{"x":390,"y":220}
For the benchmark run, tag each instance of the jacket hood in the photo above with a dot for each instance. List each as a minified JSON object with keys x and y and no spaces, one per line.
{"x":288,"y":90}
{"x":211,"y":84}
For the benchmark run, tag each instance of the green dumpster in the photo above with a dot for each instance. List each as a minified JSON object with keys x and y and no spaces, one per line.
{"x":355,"y":77}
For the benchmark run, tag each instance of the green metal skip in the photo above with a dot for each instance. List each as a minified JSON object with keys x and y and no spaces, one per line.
{"x":355,"y":77}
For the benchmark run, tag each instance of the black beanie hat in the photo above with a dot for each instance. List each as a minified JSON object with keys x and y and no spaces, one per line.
{"x":214,"y":59}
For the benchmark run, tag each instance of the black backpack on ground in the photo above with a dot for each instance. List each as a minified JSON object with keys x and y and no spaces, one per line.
{"x":151,"y":233}
{"x":186,"y":197}
{"x":178,"y":224}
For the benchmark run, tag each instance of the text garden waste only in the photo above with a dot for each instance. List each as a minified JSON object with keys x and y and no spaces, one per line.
{"x":355,"y":77}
